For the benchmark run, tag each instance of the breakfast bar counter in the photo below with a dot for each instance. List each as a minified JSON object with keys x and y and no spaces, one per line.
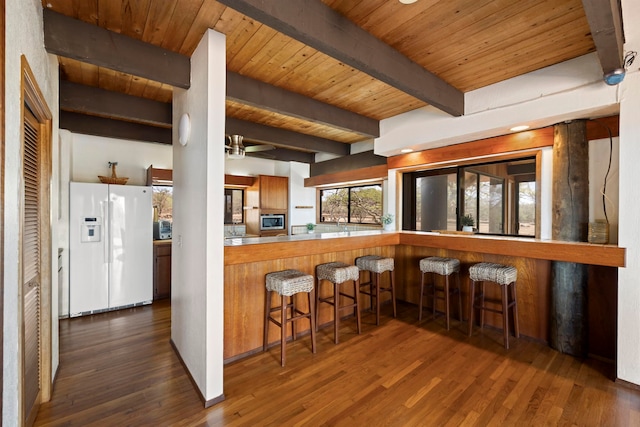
{"x":247,"y":260}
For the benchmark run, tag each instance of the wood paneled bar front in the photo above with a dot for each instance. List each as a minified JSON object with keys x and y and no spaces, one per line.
{"x":247,"y":260}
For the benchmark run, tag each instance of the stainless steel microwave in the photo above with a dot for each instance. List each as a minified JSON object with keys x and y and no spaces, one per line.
{"x":272,"y":222}
{"x":162,"y":230}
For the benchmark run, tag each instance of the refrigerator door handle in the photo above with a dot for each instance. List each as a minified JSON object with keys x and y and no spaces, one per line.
{"x":109,"y":236}
{"x":105,"y":231}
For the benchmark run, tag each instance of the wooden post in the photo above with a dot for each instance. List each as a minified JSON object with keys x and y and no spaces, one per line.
{"x":569,"y":310}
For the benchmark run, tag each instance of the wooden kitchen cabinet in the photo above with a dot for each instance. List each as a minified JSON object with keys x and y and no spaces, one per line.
{"x":267,"y":195}
{"x":274,"y":193}
{"x":161,"y":269}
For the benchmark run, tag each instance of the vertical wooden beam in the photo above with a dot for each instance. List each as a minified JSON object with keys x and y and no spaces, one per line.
{"x":569,"y":309}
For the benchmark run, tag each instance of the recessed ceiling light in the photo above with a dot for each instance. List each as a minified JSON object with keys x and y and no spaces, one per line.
{"x":519,"y":128}
{"x":408,"y":1}
{"x":406,"y":150}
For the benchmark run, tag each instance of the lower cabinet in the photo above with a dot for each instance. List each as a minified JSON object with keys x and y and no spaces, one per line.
{"x":161,"y":270}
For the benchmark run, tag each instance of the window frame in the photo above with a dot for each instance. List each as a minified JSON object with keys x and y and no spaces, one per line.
{"x":244,"y":195}
{"x":349,"y":188}
{"x":408,"y":193}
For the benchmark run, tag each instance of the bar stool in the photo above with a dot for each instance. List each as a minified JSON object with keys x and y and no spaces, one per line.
{"x":376,"y":265}
{"x":338,"y":273}
{"x":287,"y":283}
{"x":503,"y":275}
{"x":443,"y":267}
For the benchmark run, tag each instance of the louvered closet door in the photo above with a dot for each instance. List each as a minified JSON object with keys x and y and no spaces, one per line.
{"x":31,"y":265}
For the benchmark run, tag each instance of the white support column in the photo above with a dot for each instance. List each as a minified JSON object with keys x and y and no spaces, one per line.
{"x":197,"y":291}
{"x":629,"y":227}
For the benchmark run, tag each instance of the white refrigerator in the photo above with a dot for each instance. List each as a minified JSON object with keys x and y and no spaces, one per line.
{"x":110,"y":247}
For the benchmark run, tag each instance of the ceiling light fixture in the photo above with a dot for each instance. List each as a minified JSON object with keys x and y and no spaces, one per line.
{"x":406,"y":150}
{"x":235,"y":149}
{"x":519,"y":128}
{"x":408,"y":1}
{"x":616,"y":76}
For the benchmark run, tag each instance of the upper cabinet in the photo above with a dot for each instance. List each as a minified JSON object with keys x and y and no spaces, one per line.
{"x":162,"y":177}
{"x":274,"y":193}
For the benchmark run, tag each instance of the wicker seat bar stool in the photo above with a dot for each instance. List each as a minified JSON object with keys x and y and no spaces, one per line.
{"x":376,"y":265}
{"x":444,"y":267}
{"x":287,"y":284}
{"x":338,"y":273}
{"x":503,"y":275}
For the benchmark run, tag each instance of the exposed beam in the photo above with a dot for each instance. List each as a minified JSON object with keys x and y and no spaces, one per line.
{"x":99,"y":102}
{"x":259,"y":94}
{"x":605,"y":21}
{"x":92,"y":125}
{"x":89,"y":43}
{"x":284,"y":138}
{"x":347,"y":177}
{"x":285,"y":155}
{"x":348,"y":163}
{"x":317,"y":25}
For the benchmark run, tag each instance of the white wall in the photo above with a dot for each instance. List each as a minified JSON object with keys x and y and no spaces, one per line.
{"x":197,"y":281}
{"x":24,"y":37}
{"x":629,"y":228}
{"x":91,"y":156}
{"x":628,"y":365}
{"x":570,"y":90}
{"x":300,"y":196}
{"x":249,"y":166}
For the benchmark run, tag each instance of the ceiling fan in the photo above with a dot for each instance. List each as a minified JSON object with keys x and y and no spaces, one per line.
{"x":235,"y":149}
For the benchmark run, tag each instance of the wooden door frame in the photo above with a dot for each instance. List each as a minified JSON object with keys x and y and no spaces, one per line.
{"x":33,"y":98}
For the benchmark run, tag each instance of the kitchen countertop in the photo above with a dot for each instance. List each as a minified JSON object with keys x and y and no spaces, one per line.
{"x":241,"y":241}
{"x":552,"y":250}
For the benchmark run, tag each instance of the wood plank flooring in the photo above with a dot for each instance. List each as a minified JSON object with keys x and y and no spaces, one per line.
{"x":118,"y":369}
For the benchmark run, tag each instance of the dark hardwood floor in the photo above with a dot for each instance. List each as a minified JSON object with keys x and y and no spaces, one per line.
{"x":118,"y":369}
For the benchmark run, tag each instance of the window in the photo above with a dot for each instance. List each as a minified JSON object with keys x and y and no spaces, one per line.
{"x":233,"y":203}
{"x":500,"y":196}
{"x":358,"y":204}
{"x":163,"y":202}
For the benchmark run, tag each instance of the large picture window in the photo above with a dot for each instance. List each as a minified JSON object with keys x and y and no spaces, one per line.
{"x":356,"y":205}
{"x":499,"y":196}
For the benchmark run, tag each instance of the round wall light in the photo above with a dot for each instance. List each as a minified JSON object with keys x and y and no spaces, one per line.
{"x":184,"y":129}
{"x":614,"y":77}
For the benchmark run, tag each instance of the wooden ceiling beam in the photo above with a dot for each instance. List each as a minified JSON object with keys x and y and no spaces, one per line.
{"x":285,"y":155}
{"x":99,"y":126}
{"x":317,"y":25}
{"x":284,"y":138}
{"x":94,"y":101}
{"x":89,"y":43}
{"x":605,"y":21}
{"x":272,"y":98}
{"x":361,"y":160}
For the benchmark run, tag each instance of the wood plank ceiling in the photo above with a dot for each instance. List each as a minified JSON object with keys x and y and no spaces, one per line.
{"x":467,"y":44}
